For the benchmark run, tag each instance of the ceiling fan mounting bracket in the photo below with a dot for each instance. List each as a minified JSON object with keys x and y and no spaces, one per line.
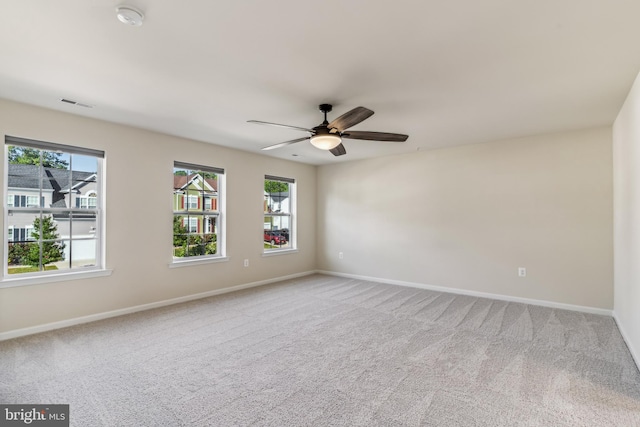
{"x":326,"y":108}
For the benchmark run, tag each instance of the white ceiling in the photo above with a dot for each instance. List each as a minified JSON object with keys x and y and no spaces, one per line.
{"x":445,"y":72}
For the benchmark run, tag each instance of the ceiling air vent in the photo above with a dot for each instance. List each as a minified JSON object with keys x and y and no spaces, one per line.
{"x":72,"y":102}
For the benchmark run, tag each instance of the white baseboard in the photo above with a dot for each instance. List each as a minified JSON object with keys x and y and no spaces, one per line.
{"x":543,"y":303}
{"x":634,"y":353}
{"x":105,"y":315}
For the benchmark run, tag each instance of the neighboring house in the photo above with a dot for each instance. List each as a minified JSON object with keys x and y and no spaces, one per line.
{"x":61,"y":188}
{"x":276,"y":203}
{"x":199,"y":195}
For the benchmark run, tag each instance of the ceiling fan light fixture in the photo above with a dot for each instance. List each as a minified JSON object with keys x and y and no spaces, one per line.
{"x":129,"y":15}
{"x":326,"y":141}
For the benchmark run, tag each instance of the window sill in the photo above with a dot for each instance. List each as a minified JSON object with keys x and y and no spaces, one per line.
{"x":10,"y":282}
{"x":275,"y":252}
{"x":187,"y":263}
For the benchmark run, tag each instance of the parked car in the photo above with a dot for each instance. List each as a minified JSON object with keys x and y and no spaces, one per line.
{"x":274,"y":237}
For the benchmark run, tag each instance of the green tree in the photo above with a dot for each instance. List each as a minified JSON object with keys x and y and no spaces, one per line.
{"x":275,"y":186}
{"x":207,"y":175}
{"x":179,"y":232}
{"x":31,"y":156}
{"x":52,"y":251}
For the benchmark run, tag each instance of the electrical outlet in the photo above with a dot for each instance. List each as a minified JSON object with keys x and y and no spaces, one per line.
{"x":522,"y":272}
{"x":340,"y":255}
{"x":246,"y":263}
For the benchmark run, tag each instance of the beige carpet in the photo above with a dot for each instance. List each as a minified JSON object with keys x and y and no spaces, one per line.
{"x":327,"y":351}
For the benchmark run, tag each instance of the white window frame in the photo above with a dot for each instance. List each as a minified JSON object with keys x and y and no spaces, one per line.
{"x":292,"y":245}
{"x":195,"y":214}
{"x":73,"y":271}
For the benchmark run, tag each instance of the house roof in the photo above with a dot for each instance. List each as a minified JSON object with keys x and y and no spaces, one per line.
{"x":277,"y":197}
{"x":58,"y":180}
{"x":181,"y":181}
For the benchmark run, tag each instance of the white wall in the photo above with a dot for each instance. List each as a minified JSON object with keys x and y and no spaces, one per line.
{"x":468,"y":217}
{"x":626,"y":160}
{"x":139,"y":180}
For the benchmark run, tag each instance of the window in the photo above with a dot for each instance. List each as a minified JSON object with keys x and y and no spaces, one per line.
{"x":193,"y":201}
{"x":22,"y":201}
{"x":278,"y":206}
{"x":87,"y":202}
{"x":53,"y":211}
{"x":191,"y":224}
{"x":196,"y":211}
{"x":20,"y":234}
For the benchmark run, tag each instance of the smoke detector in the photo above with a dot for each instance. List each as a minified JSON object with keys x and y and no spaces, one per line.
{"x":130,"y":15}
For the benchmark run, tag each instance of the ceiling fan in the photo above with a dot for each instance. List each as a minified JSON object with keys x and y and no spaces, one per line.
{"x":328,"y":136}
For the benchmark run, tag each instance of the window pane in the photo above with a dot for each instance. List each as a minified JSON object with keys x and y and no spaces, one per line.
{"x":55,"y":160}
{"x":18,"y":256}
{"x":210,"y":182}
{"x":55,"y":185}
{"x":81,"y":163}
{"x":52,"y":246}
{"x":273,"y":237}
{"x":84,"y":252}
{"x":179,"y":236}
{"x":22,"y":252}
{"x":276,"y":196}
{"x":210,"y":201}
{"x":54,"y":256}
{"x":84,"y":225}
{"x":63,"y":246}
{"x":84,"y":185}
{"x":22,"y":224}
{"x":196,"y":246}
{"x":210,"y":241}
{"x":23,"y":176}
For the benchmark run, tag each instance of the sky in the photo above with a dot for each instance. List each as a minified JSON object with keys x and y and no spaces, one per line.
{"x":81,"y":163}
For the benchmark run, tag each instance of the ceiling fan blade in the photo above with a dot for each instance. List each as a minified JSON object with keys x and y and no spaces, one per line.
{"x":351,"y":118}
{"x":376,"y":136}
{"x":284,"y":144}
{"x":279,"y":125}
{"x":339,"y":150}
